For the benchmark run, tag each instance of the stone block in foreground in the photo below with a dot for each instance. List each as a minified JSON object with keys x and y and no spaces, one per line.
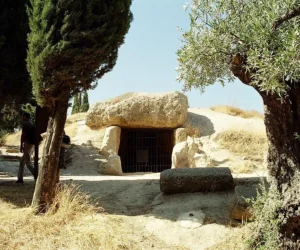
{"x":189,"y":180}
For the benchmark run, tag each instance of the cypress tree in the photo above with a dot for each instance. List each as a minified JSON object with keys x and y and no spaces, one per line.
{"x":72,"y":43}
{"x":75,"y":105}
{"x":79,"y":102}
{"x":85,"y":103}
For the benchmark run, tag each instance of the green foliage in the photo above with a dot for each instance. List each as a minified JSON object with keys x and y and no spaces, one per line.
{"x":221,"y":29}
{"x":31,"y":110}
{"x":10,"y":116}
{"x":267,"y":223}
{"x":72,"y":43}
{"x":80,"y":104}
{"x":15,"y":86}
{"x":85,"y":103}
{"x":75,"y":107}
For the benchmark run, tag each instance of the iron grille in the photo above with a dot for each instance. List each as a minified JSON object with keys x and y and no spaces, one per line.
{"x":146,"y":150}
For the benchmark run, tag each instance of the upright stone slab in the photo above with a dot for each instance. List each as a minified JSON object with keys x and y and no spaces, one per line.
{"x":191,"y":180}
{"x":111,"y":166}
{"x":111,"y":141}
{"x":140,"y":110}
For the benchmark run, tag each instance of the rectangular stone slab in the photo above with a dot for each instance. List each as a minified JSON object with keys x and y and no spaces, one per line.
{"x":189,"y":180}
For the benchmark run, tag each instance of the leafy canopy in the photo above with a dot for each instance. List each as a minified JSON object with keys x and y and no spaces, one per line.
{"x":72,"y":43}
{"x":264,"y":32}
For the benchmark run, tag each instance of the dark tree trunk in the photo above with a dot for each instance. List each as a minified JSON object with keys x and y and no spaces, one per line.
{"x":47,"y":177}
{"x":282,"y":120}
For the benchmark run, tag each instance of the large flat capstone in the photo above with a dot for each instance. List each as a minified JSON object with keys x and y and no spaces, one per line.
{"x":140,"y":110}
{"x":190,"y":180}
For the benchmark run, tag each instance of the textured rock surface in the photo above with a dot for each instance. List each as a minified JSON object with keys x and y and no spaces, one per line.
{"x":195,"y":180}
{"x":180,"y":135}
{"x":112,"y":166}
{"x":183,"y":154}
{"x":242,"y":209}
{"x":202,"y":160}
{"x":136,"y":110}
{"x":111,"y":141}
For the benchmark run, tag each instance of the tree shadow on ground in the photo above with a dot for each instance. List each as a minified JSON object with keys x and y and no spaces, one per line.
{"x":135,"y":197}
{"x":143,"y":197}
{"x":19,"y":195}
{"x":201,"y":122}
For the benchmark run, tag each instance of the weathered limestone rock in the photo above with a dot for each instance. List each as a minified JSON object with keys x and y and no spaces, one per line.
{"x":195,"y":180}
{"x":202,"y":160}
{"x":243,"y":209}
{"x":180,"y":135}
{"x":112,"y":166}
{"x":111,"y":141}
{"x":140,"y":110}
{"x":180,"y":155}
{"x":183,"y":153}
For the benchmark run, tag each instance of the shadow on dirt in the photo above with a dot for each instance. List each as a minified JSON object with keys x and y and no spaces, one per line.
{"x":143,"y":197}
{"x":19,"y":195}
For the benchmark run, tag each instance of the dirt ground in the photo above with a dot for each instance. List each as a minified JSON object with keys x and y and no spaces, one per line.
{"x":181,"y":221}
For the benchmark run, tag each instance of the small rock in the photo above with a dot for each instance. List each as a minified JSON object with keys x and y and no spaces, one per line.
{"x":185,"y":220}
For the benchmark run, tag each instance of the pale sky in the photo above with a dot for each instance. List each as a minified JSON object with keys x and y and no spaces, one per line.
{"x":147,"y":61}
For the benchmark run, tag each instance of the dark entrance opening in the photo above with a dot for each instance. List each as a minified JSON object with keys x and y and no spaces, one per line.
{"x":146,"y":150}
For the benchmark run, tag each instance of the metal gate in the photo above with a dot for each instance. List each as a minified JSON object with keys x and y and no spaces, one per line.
{"x":146,"y":150}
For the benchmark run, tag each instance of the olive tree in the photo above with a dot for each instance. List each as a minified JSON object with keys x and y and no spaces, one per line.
{"x":72,"y":43}
{"x":257,"y":42}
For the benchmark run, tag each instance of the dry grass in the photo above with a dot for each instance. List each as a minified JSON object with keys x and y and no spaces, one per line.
{"x":249,"y":144}
{"x":237,"y":240}
{"x":246,"y":167}
{"x":13,"y":139}
{"x":76,"y":117}
{"x":235,"y":111}
{"x":71,"y":223}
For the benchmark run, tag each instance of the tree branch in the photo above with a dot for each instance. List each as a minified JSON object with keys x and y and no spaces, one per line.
{"x":286,"y":17}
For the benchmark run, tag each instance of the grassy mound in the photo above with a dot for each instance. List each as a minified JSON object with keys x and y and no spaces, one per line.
{"x":234,"y":111}
{"x":244,"y":143}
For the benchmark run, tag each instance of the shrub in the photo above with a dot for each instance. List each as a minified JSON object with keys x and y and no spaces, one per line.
{"x":267,"y":223}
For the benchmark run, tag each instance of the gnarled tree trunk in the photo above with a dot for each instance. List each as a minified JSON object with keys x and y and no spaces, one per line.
{"x":47,"y":177}
{"x":282,"y":120}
